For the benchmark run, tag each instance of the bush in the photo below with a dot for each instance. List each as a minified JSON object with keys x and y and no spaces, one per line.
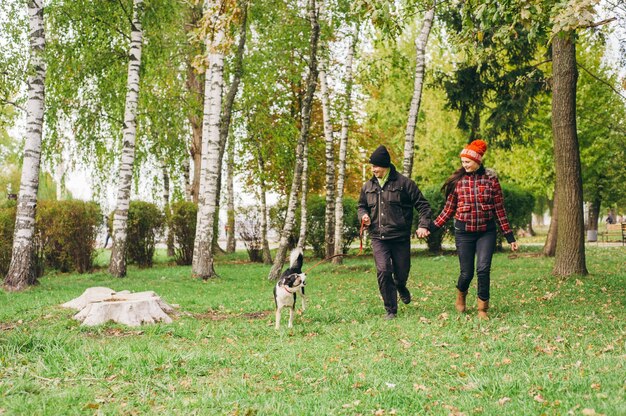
{"x":182,"y":224}
{"x":249,"y":230}
{"x":66,"y":232}
{"x":437,"y":201}
{"x":316,"y":211}
{"x":7,"y":225}
{"x":145,"y":222}
{"x":518,"y":204}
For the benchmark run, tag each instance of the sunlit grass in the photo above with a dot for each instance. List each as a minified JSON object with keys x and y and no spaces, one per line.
{"x":552,"y":346}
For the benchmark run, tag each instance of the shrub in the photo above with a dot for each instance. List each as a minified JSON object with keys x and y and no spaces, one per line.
{"x":182,"y":223}
{"x":249,"y":230}
{"x":437,"y":201}
{"x":316,"y":210}
{"x":66,"y":232}
{"x":7,"y":225}
{"x":518,"y":204}
{"x":145,"y":222}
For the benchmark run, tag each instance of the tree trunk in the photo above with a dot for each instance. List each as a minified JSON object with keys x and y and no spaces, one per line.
{"x":343,"y":148}
{"x":167,"y":209}
{"x":418,"y":83}
{"x":311,"y":84}
{"x":117,"y":265}
{"x":329,"y":215}
{"x":593,"y":216}
{"x":187,"y":182}
{"x":549,"y":248}
{"x":227,"y":114}
{"x":202,"y":266}
{"x":267,"y":255}
{"x":570,"y":248}
{"x":195,"y":87}
{"x":231,"y":242}
{"x":303,"y":196}
{"x":22,"y":270}
{"x":196,"y":155}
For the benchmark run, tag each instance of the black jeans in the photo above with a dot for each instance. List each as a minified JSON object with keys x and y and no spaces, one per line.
{"x":480,"y":245}
{"x":393,"y":262}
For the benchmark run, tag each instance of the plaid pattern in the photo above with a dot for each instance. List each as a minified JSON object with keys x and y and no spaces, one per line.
{"x":476,"y":200}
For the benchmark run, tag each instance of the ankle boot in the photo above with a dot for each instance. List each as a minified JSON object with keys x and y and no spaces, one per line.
{"x":460,"y":301}
{"x":483,"y":306}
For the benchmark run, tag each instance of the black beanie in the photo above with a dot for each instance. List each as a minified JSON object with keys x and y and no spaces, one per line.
{"x":381,"y":157}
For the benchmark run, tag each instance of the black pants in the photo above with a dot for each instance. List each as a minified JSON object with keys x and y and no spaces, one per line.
{"x":393,"y":262}
{"x":480,"y":245}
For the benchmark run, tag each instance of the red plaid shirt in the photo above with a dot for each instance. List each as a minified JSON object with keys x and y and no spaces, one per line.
{"x":476,"y":200}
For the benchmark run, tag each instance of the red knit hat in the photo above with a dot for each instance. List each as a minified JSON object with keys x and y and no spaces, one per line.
{"x":475,"y":151}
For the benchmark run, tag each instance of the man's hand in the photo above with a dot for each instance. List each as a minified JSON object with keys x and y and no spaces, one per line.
{"x":365,"y":219}
{"x":422,"y":232}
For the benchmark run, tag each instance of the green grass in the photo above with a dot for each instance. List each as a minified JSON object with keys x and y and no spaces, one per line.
{"x":552,"y":346}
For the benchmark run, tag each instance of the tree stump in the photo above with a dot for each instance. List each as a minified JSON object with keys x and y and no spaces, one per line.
{"x":98,"y":305}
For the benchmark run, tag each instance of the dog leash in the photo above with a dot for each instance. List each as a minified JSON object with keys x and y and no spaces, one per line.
{"x":361,"y":232}
{"x":322,"y":261}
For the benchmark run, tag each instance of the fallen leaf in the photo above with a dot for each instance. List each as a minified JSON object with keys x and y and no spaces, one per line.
{"x":504,"y":401}
{"x":420,"y":387}
{"x":539,"y":398}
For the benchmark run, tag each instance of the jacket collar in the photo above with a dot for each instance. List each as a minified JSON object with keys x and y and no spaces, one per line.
{"x":393,"y":174}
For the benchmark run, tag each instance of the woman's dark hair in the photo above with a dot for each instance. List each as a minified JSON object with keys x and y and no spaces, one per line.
{"x":450,"y":183}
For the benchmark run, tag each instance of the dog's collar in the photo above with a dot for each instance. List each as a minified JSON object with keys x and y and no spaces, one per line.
{"x":288,"y":291}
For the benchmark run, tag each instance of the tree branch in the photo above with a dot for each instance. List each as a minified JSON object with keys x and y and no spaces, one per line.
{"x":600,"y":23}
{"x":2,"y":100}
{"x":601,"y":80}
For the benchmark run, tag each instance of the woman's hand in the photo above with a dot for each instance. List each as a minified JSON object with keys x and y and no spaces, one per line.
{"x":514,"y":246}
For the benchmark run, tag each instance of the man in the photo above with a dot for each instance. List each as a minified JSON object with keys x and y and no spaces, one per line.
{"x":386,"y":207}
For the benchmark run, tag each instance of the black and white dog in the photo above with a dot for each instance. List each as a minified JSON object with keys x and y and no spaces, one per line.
{"x":292,"y":281}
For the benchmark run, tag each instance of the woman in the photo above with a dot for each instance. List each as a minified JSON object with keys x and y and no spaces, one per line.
{"x":474,"y":197}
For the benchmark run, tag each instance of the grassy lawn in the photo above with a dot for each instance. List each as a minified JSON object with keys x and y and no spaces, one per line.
{"x":553,"y":347}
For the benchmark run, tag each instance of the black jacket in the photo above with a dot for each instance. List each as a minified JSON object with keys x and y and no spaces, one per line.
{"x":391,"y":208}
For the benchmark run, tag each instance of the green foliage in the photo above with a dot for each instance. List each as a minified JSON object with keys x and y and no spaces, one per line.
{"x":437,"y":201}
{"x":66,"y":233}
{"x":182,"y":224}
{"x":518,"y":204}
{"x":7,"y":226}
{"x":316,"y":209}
{"x":551,"y":345}
{"x":145,"y":223}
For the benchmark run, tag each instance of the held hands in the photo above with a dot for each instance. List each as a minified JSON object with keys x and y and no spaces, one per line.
{"x":514,"y":246}
{"x":422,"y":232}
{"x":365,"y":219}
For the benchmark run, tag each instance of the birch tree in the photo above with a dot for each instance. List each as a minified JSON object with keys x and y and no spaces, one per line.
{"x":418,"y":83}
{"x":22,"y":272}
{"x":329,"y":215}
{"x":231,"y":242}
{"x":311,"y":84}
{"x":117,"y":265}
{"x":343,"y":147}
{"x":202,"y":266}
{"x":303,"y":196}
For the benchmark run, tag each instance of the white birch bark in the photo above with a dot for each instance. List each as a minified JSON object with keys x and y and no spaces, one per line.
{"x":22,"y":271}
{"x":343,"y":147}
{"x":279,"y":259}
{"x":303,"y":196}
{"x":231,"y":242}
{"x":418,"y":83}
{"x":267,"y":255}
{"x":202,"y":266}
{"x":329,"y":215}
{"x":117,"y":265}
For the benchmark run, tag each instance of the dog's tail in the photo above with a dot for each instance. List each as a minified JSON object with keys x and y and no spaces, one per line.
{"x":296,"y":259}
